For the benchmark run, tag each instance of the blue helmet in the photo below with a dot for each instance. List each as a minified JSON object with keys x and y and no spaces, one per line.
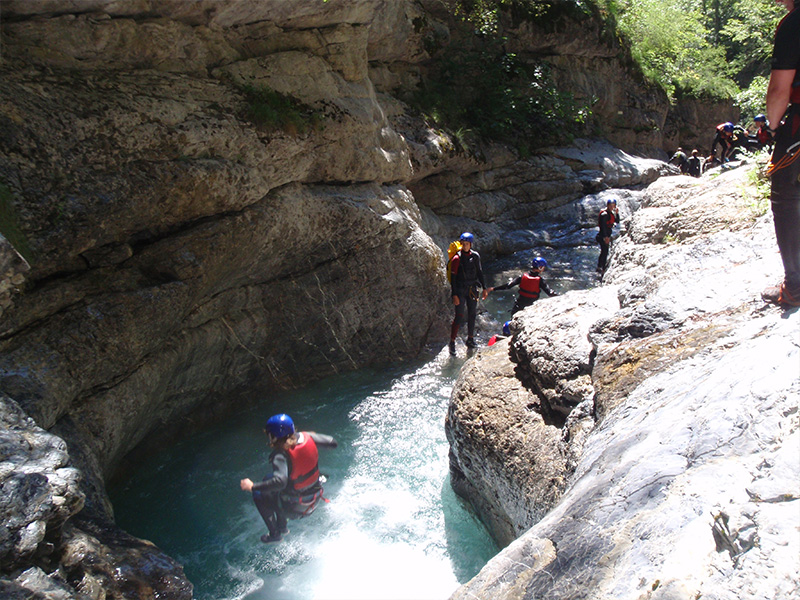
{"x":538,"y":262}
{"x":467,"y":237}
{"x":760,"y":118}
{"x":727,"y":127}
{"x":507,"y":328}
{"x":280,"y":426}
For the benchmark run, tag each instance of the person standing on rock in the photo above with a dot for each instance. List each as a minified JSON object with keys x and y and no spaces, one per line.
{"x":467,"y":274}
{"x":293,"y":489}
{"x":784,"y":168}
{"x":605,"y":222}
{"x":531,"y":285}
{"x":695,"y":164}
{"x":680,"y":160}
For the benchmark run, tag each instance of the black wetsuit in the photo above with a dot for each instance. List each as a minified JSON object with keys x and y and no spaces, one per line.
{"x":605,"y":222}
{"x":785,"y":195}
{"x":523,"y":301}
{"x":680,"y":160}
{"x":274,"y":497}
{"x":695,"y":166}
{"x":467,"y":273}
{"x":741,"y":139}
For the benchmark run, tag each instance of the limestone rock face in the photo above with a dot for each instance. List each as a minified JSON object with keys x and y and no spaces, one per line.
{"x":38,"y":487}
{"x":171,"y":253}
{"x":686,"y":480}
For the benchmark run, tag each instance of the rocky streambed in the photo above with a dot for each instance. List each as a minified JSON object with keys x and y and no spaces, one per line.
{"x":641,"y":440}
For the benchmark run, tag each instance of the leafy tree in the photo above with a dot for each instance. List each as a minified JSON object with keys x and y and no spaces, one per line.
{"x":480,"y":88}
{"x":672,"y":46}
{"x":748,"y":36}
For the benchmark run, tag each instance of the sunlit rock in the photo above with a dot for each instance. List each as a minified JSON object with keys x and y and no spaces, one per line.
{"x":687,"y":484}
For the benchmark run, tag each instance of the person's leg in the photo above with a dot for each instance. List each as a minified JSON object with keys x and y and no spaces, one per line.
{"x":459,"y":317}
{"x":785,"y":200}
{"x":785,"y":197}
{"x":267,"y":505}
{"x":601,"y":260}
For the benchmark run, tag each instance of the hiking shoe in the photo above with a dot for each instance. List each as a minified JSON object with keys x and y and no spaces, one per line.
{"x":471,"y":343}
{"x":778,"y":294}
{"x":452,"y":346}
{"x":272,"y":537}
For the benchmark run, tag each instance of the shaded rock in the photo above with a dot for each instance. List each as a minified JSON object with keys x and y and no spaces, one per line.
{"x":496,"y":433}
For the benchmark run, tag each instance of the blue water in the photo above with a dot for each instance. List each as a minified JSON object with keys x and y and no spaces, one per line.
{"x":393,"y":529}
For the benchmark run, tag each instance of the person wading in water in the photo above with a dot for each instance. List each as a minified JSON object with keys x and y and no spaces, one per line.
{"x":531,"y":285}
{"x":605,"y":222}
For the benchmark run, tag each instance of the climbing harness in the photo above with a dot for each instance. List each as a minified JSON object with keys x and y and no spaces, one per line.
{"x":790,"y":156}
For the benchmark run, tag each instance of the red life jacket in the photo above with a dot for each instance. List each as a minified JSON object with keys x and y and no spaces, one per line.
{"x":529,"y":286}
{"x":303,"y":464}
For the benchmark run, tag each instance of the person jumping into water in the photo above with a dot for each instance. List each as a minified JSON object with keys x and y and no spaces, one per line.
{"x":293,"y":489}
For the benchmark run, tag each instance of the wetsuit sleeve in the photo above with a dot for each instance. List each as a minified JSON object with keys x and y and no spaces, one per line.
{"x":511,"y":283}
{"x":546,"y":288}
{"x":320,"y":439}
{"x":280,"y":475}
{"x":480,"y":273}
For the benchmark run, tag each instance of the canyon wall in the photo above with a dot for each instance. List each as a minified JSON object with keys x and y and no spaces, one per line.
{"x":171,"y":252}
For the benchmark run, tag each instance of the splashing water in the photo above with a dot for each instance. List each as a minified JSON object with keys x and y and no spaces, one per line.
{"x":393,"y":529}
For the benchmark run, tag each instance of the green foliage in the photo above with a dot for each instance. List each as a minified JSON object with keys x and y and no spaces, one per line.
{"x":483,"y":15}
{"x":751,"y":101}
{"x":699,"y":47}
{"x":757,"y":192}
{"x":492,"y":94}
{"x":748,"y":36}
{"x":9,"y":224}
{"x":671,"y":44}
{"x":479,"y":89}
{"x":275,"y":111}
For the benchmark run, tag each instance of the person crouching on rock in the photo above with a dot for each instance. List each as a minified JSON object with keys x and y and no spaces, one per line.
{"x":467,"y":274}
{"x":531,"y":285}
{"x":293,"y":489}
{"x":605,"y":222}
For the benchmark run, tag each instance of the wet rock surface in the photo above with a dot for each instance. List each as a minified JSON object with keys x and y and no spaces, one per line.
{"x":685,"y":479}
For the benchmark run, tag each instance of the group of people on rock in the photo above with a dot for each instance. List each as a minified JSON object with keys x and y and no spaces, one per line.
{"x":729,"y":138}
